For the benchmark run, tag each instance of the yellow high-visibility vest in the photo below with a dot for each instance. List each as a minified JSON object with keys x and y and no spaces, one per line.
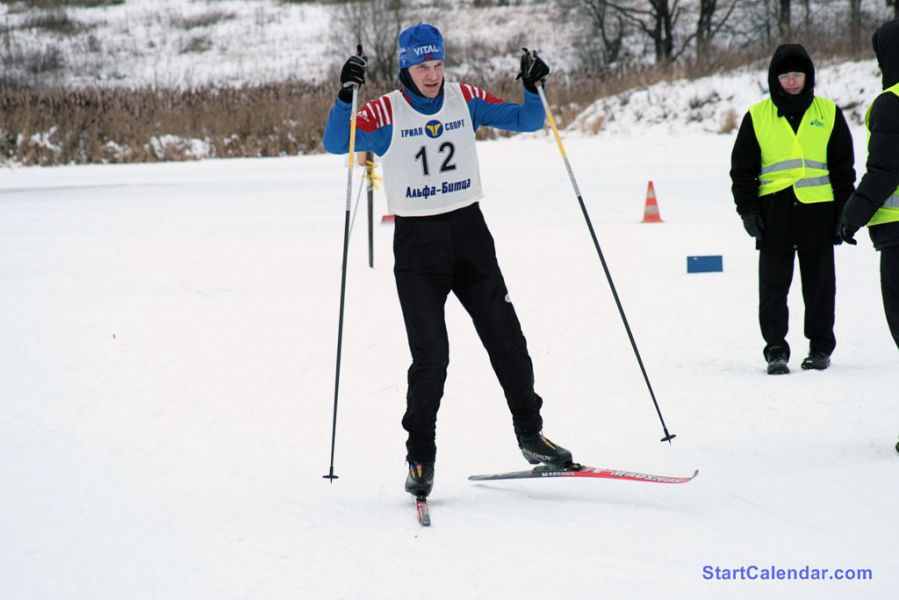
{"x":889,"y":212}
{"x":797,"y":159}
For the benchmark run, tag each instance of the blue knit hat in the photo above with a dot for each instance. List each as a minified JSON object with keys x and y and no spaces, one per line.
{"x":420,"y":43}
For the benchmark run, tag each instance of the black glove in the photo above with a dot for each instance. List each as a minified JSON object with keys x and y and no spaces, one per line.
{"x":847,"y":232}
{"x":837,"y":240}
{"x":754,"y":225}
{"x":352,"y":73}
{"x":533,"y":70}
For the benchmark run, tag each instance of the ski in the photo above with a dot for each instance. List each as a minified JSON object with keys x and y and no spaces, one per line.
{"x":545,"y":472}
{"x":424,"y":515}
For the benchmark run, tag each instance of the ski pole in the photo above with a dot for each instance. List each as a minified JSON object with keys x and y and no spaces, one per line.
{"x":356,"y":206}
{"x":552,"y":123}
{"x":346,"y":239}
{"x":370,"y":176}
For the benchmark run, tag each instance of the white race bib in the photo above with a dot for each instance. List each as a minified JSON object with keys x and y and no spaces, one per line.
{"x":431,"y":166}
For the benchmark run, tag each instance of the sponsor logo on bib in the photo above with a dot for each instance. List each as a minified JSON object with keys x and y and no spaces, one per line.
{"x":434,"y":129}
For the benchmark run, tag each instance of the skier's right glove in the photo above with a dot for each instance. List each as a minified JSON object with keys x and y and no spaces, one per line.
{"x":352,"y":74}
{"x":533,"y":70}
{"x":754,"y":225}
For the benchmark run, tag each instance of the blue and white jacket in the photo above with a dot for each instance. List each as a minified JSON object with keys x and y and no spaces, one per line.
{"x":374,"y":122}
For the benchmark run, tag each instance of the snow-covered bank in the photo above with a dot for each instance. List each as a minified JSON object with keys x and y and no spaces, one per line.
{"x":717,"y":103}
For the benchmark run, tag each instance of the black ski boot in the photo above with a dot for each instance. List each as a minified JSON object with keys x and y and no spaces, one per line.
{"x":537,"y":449}
{"x":420,"y":479}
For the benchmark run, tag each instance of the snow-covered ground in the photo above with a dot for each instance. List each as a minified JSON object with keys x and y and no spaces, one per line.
{"x":167,"y":346}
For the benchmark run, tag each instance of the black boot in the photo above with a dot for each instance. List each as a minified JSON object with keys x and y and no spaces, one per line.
{"x":420,"y":479}
{"x":816,"y":360}
{"x":777,"y":361}
{"x":537,"y":449}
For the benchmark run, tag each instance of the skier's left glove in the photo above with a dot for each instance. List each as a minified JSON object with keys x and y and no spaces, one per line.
{"x":533,"y":70}
{"x":352,"y":74}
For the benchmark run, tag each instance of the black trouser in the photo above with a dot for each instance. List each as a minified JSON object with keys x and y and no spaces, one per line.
{"x":454,"y":252}
{"x":816,"y":270}
{"x":889,"y":286}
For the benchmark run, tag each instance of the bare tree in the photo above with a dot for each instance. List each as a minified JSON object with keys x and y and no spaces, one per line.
{"x":606,"y":32}
{"x":657,"y":22}
{"x":784,"y":22}
{"x":704,"y":25}
{"x":707,"y":27}
{"x":376,"y":24}
{"x":855,"y":24}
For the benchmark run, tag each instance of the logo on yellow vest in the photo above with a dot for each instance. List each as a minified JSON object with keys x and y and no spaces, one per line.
{"x":816,"y":123}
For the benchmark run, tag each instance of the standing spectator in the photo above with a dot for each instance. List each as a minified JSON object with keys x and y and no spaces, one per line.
{"x":876,"y":201}
{"x":792,"y":169}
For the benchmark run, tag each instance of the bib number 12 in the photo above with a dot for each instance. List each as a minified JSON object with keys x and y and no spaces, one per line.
{"x":447,"y":165}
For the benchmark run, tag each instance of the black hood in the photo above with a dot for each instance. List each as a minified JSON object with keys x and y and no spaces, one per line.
{"x":886,"y":48}
{"x":798,"y":60}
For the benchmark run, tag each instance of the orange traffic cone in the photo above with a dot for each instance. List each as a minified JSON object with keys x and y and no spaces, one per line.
{"x":651,"y":210}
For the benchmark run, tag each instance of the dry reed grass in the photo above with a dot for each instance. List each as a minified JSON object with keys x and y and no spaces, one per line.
{"x":63,"y":126}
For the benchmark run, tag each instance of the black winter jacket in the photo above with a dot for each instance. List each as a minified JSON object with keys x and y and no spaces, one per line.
{"x":882,"y":175}
{"x":790,"y":223}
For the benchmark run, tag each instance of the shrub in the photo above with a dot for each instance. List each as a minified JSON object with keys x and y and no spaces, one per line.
{"x":56,"y":21}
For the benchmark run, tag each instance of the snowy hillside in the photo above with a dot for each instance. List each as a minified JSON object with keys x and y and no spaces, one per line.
{"x":172,"y":43}
{"x":714,"y":104}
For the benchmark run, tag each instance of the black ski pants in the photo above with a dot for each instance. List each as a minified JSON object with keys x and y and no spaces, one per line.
{"x":816,"y":268}
{"x":889,"y":286}
{"x":454,"y":252}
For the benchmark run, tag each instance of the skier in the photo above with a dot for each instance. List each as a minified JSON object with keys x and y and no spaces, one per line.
{"x":876,"y":201}
{"x":792,"y":169}
{"x":425,"y":134}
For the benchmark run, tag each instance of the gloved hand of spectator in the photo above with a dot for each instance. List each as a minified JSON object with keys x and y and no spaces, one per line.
{"x":754,"y":225}
{"x":847,"y":232}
